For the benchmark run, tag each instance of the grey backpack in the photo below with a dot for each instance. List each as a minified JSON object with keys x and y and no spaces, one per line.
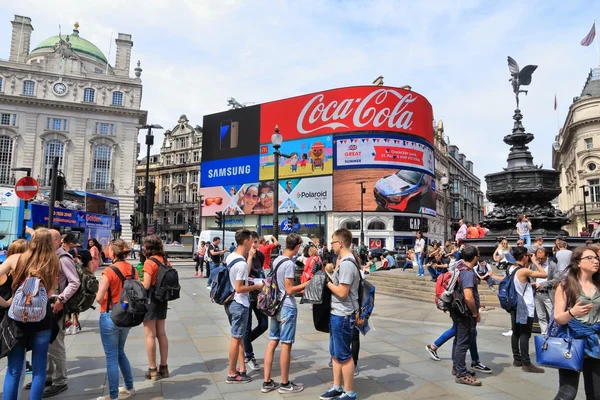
{"x":131,"y":308}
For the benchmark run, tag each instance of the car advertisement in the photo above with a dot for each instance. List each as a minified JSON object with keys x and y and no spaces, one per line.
{"x":310,"y":156}
{"x":229,"y":171}
{"x":300,"y":195}
{"x":395,"y":190}
{"x":382,"y":151}
{"x":231,"y":134}
{"x":351,"y":109}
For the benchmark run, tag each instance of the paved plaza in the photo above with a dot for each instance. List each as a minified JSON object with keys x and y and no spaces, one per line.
{"x":393,"y":361}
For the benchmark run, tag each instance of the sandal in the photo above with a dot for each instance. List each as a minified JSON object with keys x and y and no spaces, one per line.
{"x":467,"y":380}
{"x":153,"y":374}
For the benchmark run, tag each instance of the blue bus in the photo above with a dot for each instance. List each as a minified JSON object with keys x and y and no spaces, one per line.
{"x":87,"y":215}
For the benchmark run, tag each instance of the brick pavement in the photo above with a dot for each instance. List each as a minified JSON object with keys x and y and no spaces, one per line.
{"x":393,"y":361}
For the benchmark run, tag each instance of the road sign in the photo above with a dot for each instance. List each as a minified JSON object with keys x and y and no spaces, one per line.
{"x":26,"y":188}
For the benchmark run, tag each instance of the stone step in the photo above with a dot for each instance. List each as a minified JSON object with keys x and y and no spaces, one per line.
{"x":419,"y":295}
{"x":485,"y":298}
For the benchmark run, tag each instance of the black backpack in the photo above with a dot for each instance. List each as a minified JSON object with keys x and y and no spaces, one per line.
{"x":167,"y":282}
{"x":131,"y":308}
{"x":85,"y":296}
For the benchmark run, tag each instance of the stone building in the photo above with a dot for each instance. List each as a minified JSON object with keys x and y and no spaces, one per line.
{"x":177,"y":205}
{"x":576,"y":154}
{"x":63,"y":99}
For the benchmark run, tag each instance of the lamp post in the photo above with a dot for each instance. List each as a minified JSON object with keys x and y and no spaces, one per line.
{"x":445,"y":185}
{"x":276,"y":140}
{"x":362,"y":211}
{"x":320,"y":210}
{"x":149,"y":143}
{"x":585,"y":194}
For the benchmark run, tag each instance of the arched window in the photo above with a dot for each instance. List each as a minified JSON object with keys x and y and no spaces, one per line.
{"x":179,"y":219}
{"x":89,"y":95}
{"x":377,"y":226}
{"x":29,"y":88}
{"x":352,"y":225}
{"x":101,"y":167}
{"x":6,"y":152}
{"x":54,"y":148}
{"x":117,"y":99}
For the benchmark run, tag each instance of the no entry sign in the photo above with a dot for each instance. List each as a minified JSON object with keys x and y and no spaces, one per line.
{"x":26,"y":188}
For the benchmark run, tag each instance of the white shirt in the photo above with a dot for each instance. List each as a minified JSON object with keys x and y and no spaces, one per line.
{"x":419,"y":245}
{"x":238,"y":272}
{"x":545,"y":266}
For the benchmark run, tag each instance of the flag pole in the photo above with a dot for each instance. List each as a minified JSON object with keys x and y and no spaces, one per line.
{"x":556,"y":109}
{"x":109,"y":49}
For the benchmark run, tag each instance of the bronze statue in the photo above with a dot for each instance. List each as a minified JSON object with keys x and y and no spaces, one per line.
{"x":519,"y":77}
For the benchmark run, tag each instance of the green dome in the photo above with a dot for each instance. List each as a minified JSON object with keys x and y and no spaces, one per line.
{"x":78,"y":44}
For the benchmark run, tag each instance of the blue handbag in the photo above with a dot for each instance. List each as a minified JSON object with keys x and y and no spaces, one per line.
{"x":559,"y":352}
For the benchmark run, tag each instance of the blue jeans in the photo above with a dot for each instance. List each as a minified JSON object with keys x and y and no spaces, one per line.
{"x":211,"y":266}
{"x":419,"y":258}
{"x":283,"y":326}
{"x":450,"y":333}
{"x":407,"y":264}
{"x":16,"y":358}
{"x":527,"y":239}
{"x":113,"y":341}
{"x":340,"y":337}
{"x":262,"y":324}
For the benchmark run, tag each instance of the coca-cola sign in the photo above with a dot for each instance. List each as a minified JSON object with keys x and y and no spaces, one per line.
{"x":363,"y":108}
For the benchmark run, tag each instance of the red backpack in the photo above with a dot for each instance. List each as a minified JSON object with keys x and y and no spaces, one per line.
{"x":445,"y":286}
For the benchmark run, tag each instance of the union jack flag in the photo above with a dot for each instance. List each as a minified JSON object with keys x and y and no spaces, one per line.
{"x":590,"y":36}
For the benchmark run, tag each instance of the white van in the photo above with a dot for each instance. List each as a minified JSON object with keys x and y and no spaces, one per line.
{"x":208,"y":236}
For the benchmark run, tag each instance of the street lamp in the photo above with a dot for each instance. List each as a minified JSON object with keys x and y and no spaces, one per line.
{"x":585,"y":194}
{"x":445,"y":185}
{"x":276,"y":140}
{"x":362,"y":211}
{"x":320,"y":211}
{"x":149,"y":143}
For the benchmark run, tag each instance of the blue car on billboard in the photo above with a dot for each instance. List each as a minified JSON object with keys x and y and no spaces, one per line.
{"x":404,"y":191}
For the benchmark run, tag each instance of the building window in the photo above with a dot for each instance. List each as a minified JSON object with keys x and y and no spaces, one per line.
{"x":56,"y":124}
{"x":29,"y":88}
{"x":196,"y":156}
{"x":182,"y":158}
{"x":139,"y":181}
{"x":180,"y":195}
{"x":167,"y":180}
{"x":181,"y":179}
{"x":167,"y":160}
{"x":104,"y":128}
{"x":194,"y":177}
{"x":352,"y":225}
{"x":194,"y":197}
{"x":8,"y":119}
{"x":101,"y":166}
{"x":98,"y":71}
{"x":592,"y":166}
{"x":376,"y":226}
{"x":1,"y":83}
{"x":589,"y":143}
{"x":166,"y":197}
{"x":88,"y":95}
{"x":455,"y":186}
{"x":594,"y":189}
{"x":54,"y":148}
{"x":117,"y":99}
{"x":6,"y":152}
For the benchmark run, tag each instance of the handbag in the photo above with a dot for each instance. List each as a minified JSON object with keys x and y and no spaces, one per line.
{"x":559,"y":352}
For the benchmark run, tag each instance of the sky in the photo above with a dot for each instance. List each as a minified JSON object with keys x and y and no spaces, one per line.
{"x":197,"y":53}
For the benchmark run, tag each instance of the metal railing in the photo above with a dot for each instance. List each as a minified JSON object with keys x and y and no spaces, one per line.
{"x":100,"y":187}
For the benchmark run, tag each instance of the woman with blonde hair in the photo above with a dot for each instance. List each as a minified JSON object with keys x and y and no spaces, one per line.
{"x":40,"y":260}
{"x":113,"y":337}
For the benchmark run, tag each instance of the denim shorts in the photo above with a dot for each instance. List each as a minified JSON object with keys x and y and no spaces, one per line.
{"x":340,"y":337}
{"x":239,"y":319}
{"x":283,"y":327}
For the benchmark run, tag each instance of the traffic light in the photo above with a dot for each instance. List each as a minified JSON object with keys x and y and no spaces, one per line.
{"x":219,"y":218}
{"x":132,"y":222}
{"x":142,"y":204}
{"x":189,"y":224}
{"x":150,"y":193}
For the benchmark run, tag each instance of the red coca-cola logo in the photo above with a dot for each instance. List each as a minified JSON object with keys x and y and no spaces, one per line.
{"x":363,"y":108}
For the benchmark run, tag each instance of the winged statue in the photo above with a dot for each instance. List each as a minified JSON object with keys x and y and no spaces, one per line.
{"x":519,"y":77}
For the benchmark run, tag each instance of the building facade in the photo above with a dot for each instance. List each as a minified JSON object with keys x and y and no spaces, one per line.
{"x":576,"y":154}
{"x":177,"y":208}
{"x":63,"y":99}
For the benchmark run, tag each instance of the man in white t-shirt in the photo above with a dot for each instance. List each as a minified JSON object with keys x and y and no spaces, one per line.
{"x":238,"y":309}
{"x":283,"y":326}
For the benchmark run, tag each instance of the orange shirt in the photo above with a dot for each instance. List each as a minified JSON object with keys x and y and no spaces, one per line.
{"x":151,"y":268}
{"x":114,"y":282}
{"x":472,"y":233}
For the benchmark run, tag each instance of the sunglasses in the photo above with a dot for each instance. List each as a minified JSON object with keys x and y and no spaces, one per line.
{"x":249,"y":196}
{"x":213,"y":200}
{"x":269,"y":194}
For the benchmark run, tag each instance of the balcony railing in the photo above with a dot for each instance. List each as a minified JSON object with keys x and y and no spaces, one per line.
{"x":100,"y":187}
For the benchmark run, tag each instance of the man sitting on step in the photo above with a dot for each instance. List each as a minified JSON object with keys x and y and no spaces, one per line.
{"x":437,"y":266}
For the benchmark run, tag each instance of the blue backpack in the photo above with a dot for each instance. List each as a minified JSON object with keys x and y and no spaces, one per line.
{"x":221,"y":291}
{"x":507,"y":295}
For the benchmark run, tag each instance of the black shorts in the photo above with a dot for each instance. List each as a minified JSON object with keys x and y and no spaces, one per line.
{"x":156,"y":311}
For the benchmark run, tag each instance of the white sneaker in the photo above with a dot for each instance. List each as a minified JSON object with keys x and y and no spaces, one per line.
{"x":507,"y":333}
{"x":73,"y":330}
{"x":126,"y":393}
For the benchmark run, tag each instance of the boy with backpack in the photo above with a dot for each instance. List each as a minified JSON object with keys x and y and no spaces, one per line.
{"x":344,"y":287}
{"x":239,"y":308}
{"x":283,"y":324}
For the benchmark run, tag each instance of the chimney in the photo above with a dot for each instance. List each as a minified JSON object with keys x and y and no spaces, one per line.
{"x":123,"y":58}
{"x":20,"y":38}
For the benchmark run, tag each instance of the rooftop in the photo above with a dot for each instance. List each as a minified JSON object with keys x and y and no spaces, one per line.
{"x":78,"y":45}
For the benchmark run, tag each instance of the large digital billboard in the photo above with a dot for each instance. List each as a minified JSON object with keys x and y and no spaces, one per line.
{"x":310,"y":156}
{"x":230,"y":134}
{"x":352,"y":109}
{"x":229,"y":171}
{"x":396,"y":190}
